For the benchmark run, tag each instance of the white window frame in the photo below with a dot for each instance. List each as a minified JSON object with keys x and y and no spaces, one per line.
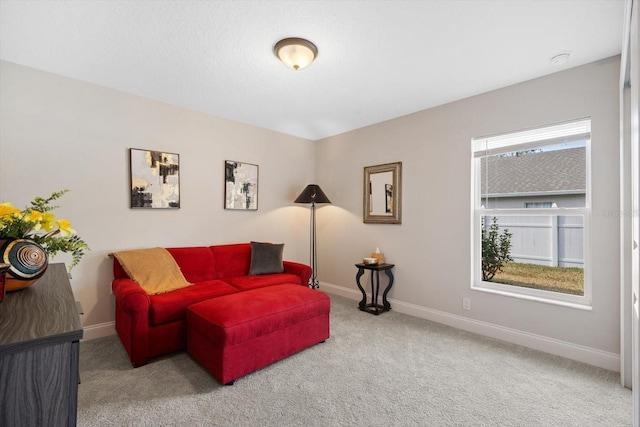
{"x":576,"y":130}
{"x":537,"y":203}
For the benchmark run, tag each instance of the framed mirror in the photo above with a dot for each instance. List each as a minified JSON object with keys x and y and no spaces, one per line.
{"x":382,"y":194}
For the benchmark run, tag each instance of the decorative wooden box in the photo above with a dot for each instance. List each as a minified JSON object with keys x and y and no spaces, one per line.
{"x":378,"y":256}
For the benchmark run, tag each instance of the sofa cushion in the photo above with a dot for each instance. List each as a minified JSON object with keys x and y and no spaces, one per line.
{"x":232,"y":260}
{"x":266,"y":258}
{"x":197,"y":263}
{"x":263,"y":311}
{"x":245,"y":283}
{"x":173,"y":305}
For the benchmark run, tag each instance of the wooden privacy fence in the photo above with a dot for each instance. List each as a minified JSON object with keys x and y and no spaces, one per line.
{"x":551,"y":240}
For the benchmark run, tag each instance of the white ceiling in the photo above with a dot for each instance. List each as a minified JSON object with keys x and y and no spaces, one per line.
{"x":377,"y":60}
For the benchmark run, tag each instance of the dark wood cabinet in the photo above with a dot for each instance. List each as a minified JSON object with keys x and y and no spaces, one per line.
{"x":40,"y":334}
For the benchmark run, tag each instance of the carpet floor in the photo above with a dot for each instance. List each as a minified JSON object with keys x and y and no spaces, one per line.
{"x":387,"y":370}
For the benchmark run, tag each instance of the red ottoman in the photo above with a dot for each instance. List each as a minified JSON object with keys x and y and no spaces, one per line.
{"x":233,"y":335}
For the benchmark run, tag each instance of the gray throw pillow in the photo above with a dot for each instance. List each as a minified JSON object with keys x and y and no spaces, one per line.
{"x":266,"y":258}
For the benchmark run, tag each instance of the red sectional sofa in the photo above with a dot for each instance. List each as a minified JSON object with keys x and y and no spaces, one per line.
{"x":152,"y":325}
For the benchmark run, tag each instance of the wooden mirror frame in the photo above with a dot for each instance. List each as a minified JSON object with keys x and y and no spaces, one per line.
{"x":395,"y":217}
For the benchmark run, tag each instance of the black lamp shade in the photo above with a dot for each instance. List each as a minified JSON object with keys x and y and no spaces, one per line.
{"x":312,"y":194}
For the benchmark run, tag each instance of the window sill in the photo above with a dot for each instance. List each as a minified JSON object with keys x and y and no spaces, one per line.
{"x":586,"y":305}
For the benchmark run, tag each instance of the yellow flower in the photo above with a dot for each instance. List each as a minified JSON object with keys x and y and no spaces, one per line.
{"x":48,"y":221}
{"x":34,"y":217}
{"x":65,"y":227}
{"x":8,"y":213}
{"x":7,"y":209}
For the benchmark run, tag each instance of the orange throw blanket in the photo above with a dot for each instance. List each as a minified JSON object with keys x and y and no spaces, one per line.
{"x":154,"y":269}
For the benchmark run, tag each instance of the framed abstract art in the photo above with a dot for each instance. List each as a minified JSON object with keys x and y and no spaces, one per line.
{"x":155,"y":179}
{"x":240,"y":186}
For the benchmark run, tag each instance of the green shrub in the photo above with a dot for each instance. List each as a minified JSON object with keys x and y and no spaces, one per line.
{"x":496,"y":248}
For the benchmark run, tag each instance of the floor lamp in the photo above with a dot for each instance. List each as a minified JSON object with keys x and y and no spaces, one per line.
{"x":313,"y":194}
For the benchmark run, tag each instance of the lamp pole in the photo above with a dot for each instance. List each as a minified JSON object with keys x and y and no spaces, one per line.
{"x":313,"y":194}
{"x":313,"y":280}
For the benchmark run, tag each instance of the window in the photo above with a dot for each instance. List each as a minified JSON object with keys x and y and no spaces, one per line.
{"x":540,"y":246}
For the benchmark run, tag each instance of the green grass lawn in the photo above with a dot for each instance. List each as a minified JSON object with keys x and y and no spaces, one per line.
{"x":568,"y":280}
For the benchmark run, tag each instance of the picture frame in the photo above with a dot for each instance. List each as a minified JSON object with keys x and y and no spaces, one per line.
{"x":240,"y":186}
{"x":154,"y":179}
{"x":382,"y":194}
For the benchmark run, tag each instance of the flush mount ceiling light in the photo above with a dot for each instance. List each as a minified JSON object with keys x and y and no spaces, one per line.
{"x":295,"y":52}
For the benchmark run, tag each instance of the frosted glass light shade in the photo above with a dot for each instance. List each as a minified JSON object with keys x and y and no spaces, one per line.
{"x":295,"y":52}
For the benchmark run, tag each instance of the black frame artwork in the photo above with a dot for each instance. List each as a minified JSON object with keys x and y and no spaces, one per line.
{"x":240,"y":186}
{"x":154,"y":179}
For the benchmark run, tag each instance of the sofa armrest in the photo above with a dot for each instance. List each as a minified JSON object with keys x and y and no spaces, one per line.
{"x":132,"y":319}
{"x":301,"y":270}
{"x":130,"y":296}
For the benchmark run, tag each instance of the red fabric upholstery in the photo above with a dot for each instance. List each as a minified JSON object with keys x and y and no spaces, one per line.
{"x":232,"y":260}
{"x":132,"y":319}
{"x":245,"y":283}
{"x":149,"y":326}
{"x":167,"y":338}
{"x":173,"y":305}
{"x":118,"y":271}
{"x":301,"y":270}
{"x":234,"y":335}
{"x":197,"y":263}
{"x":261,"y":312}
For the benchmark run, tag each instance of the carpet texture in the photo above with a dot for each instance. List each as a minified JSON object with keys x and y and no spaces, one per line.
{"x":387,"y":370}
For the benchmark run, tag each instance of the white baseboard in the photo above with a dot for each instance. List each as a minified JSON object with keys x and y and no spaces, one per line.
{"x":98,"y":331}
{"x":591,"y":356}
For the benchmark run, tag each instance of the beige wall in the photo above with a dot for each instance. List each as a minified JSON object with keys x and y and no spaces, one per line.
{"x":60,"y":133}
{"x":431,"y":248}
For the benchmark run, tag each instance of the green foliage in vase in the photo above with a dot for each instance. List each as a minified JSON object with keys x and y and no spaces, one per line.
{"x":36,"y":222}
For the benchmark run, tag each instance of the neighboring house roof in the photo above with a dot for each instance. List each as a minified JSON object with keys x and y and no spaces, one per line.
{"x":560,"y":171}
